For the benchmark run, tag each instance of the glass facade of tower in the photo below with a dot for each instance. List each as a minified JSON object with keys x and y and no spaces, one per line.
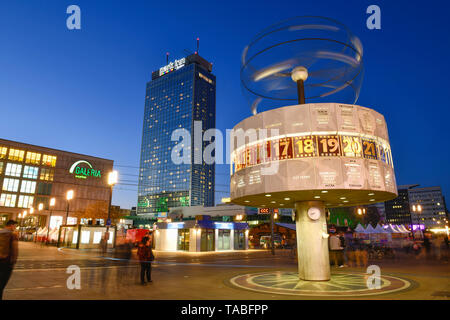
{"x":174,"y":100}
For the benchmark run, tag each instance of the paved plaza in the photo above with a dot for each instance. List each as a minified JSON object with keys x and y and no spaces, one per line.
{"x":251,"y":275}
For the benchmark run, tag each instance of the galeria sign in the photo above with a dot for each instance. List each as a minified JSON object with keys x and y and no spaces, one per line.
{"x":83,"y":169}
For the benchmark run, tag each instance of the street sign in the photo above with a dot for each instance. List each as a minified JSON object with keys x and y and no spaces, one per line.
{"x":108,"y":222}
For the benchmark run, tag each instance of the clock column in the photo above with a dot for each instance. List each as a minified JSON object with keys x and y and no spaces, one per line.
{"x":312,"y":241}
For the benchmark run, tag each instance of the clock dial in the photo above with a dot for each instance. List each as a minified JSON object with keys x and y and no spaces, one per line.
{"x":314,"y":213}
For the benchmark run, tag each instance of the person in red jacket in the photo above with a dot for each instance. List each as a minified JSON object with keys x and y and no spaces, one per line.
{"x":146,"y":257}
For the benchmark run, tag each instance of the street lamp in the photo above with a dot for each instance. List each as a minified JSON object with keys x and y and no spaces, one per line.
{"x":69,"y":196}
{"x":415,"y":208}
{"x":40,"y":207}
{"x":52,"y":204}
{"x":112,"y":180}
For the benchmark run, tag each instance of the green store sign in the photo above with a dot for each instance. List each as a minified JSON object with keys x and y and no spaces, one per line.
{"x":83,"y":169}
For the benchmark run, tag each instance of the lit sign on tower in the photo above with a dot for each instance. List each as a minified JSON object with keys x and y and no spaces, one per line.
{"x":175,"y":65}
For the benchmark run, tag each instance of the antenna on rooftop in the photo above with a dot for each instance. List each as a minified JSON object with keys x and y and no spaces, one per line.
{"x":167,"y":58}
{"x":198,"y":45}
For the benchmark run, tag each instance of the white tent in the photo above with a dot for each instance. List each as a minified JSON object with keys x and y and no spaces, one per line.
{"x":359,"y":228}
{"x":380,"y":229}
{"x":402,"y":229}
{"x":42,"y":232}
{"x":370,"y":229}
{"x":393,"y":229}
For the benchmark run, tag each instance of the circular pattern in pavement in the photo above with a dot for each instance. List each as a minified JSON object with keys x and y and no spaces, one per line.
{"x":340,"y":285}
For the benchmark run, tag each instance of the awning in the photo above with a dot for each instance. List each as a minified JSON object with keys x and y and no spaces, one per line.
{"x":286,"y":225}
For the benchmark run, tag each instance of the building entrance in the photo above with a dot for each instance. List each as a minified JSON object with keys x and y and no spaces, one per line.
{"x":183,"y":240}
{"x":239,"y":240}
{"x":207,"y":240}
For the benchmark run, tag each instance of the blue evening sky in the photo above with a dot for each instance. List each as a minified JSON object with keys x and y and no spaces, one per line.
{"x":83,"y":90}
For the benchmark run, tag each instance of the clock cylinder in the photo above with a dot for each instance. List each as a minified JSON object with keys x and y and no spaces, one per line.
{"x":312,"y":244}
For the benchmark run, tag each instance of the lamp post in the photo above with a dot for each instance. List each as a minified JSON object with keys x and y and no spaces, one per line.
{"x":31,"y":212}
{"x":24,"y":214}
{"x":40,"y":207}
{"x":112,"y":180}
{"x":52,"y":204}
{"x":20,"y":225}
{"x":415,"y":208}
{"x":69,"y":196}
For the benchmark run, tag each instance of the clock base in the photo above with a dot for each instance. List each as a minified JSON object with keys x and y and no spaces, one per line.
{"x":312,"y":241}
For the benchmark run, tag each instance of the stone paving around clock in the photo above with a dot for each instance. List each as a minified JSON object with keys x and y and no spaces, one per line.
{"x":41,"y":274}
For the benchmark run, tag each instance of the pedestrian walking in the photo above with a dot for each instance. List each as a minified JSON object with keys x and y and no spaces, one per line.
{"x":145,"y":254}
{"x":8,"y":253}
{"x":427,"y":245}
{"x":123,"y":254}
{"x":361,"y":254}
{"x":336,"y":251}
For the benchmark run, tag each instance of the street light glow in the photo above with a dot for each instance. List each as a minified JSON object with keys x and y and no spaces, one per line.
{"x":40,"y":206}
{"x":52,"y":202}
{"x":69,"y":195}
{"x":112,"y":178}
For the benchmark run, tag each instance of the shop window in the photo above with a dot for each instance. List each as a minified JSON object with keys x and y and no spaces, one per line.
{"x":30,"y":172}
{"x":85,"y":236}
{"x":13,"y":169}
{"x":16,"y":154}
{"x":33,"y":158}
{"x":7,"y":200}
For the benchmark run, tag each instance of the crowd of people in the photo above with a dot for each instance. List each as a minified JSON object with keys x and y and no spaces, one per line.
{"x":348,"y":249}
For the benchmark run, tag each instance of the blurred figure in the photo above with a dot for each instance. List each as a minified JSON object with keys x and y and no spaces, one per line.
{"x":445,"y":249}
{"x":336,"y":251}
{"x":145,"y":254}
{"x":427,"y":245}
{"x":347,"y":239}
{"x":8,"y":253}
{"x":350,"y":250}
{"x":416,"y":249}
{"x":361,"y":254}
{"x":123,"y":254}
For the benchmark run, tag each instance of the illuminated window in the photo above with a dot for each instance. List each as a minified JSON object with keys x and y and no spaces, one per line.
{"x":25,"y":201}
{"x":33,"y":158}
{"x":3,"y":152}
{"x":1,"y":167}
{"x":7,"y":200}
{"x":13,"y":169}
{"x":30,"y":172}
{"x":10,"y":184}
{"x":16,"y":154}
{"x":47,"y":174}
{"x":85,"y":235}
{"x":28,"y":186}
{"x":48,"y":160}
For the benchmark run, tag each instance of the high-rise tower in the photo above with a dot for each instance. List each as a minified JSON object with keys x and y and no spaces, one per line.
{"x":179,"y":93}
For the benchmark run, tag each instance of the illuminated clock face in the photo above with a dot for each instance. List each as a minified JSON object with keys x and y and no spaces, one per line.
{"x":314,"y":213}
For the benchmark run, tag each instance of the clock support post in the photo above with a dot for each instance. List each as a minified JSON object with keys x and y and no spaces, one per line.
{"x":312,"y":241}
